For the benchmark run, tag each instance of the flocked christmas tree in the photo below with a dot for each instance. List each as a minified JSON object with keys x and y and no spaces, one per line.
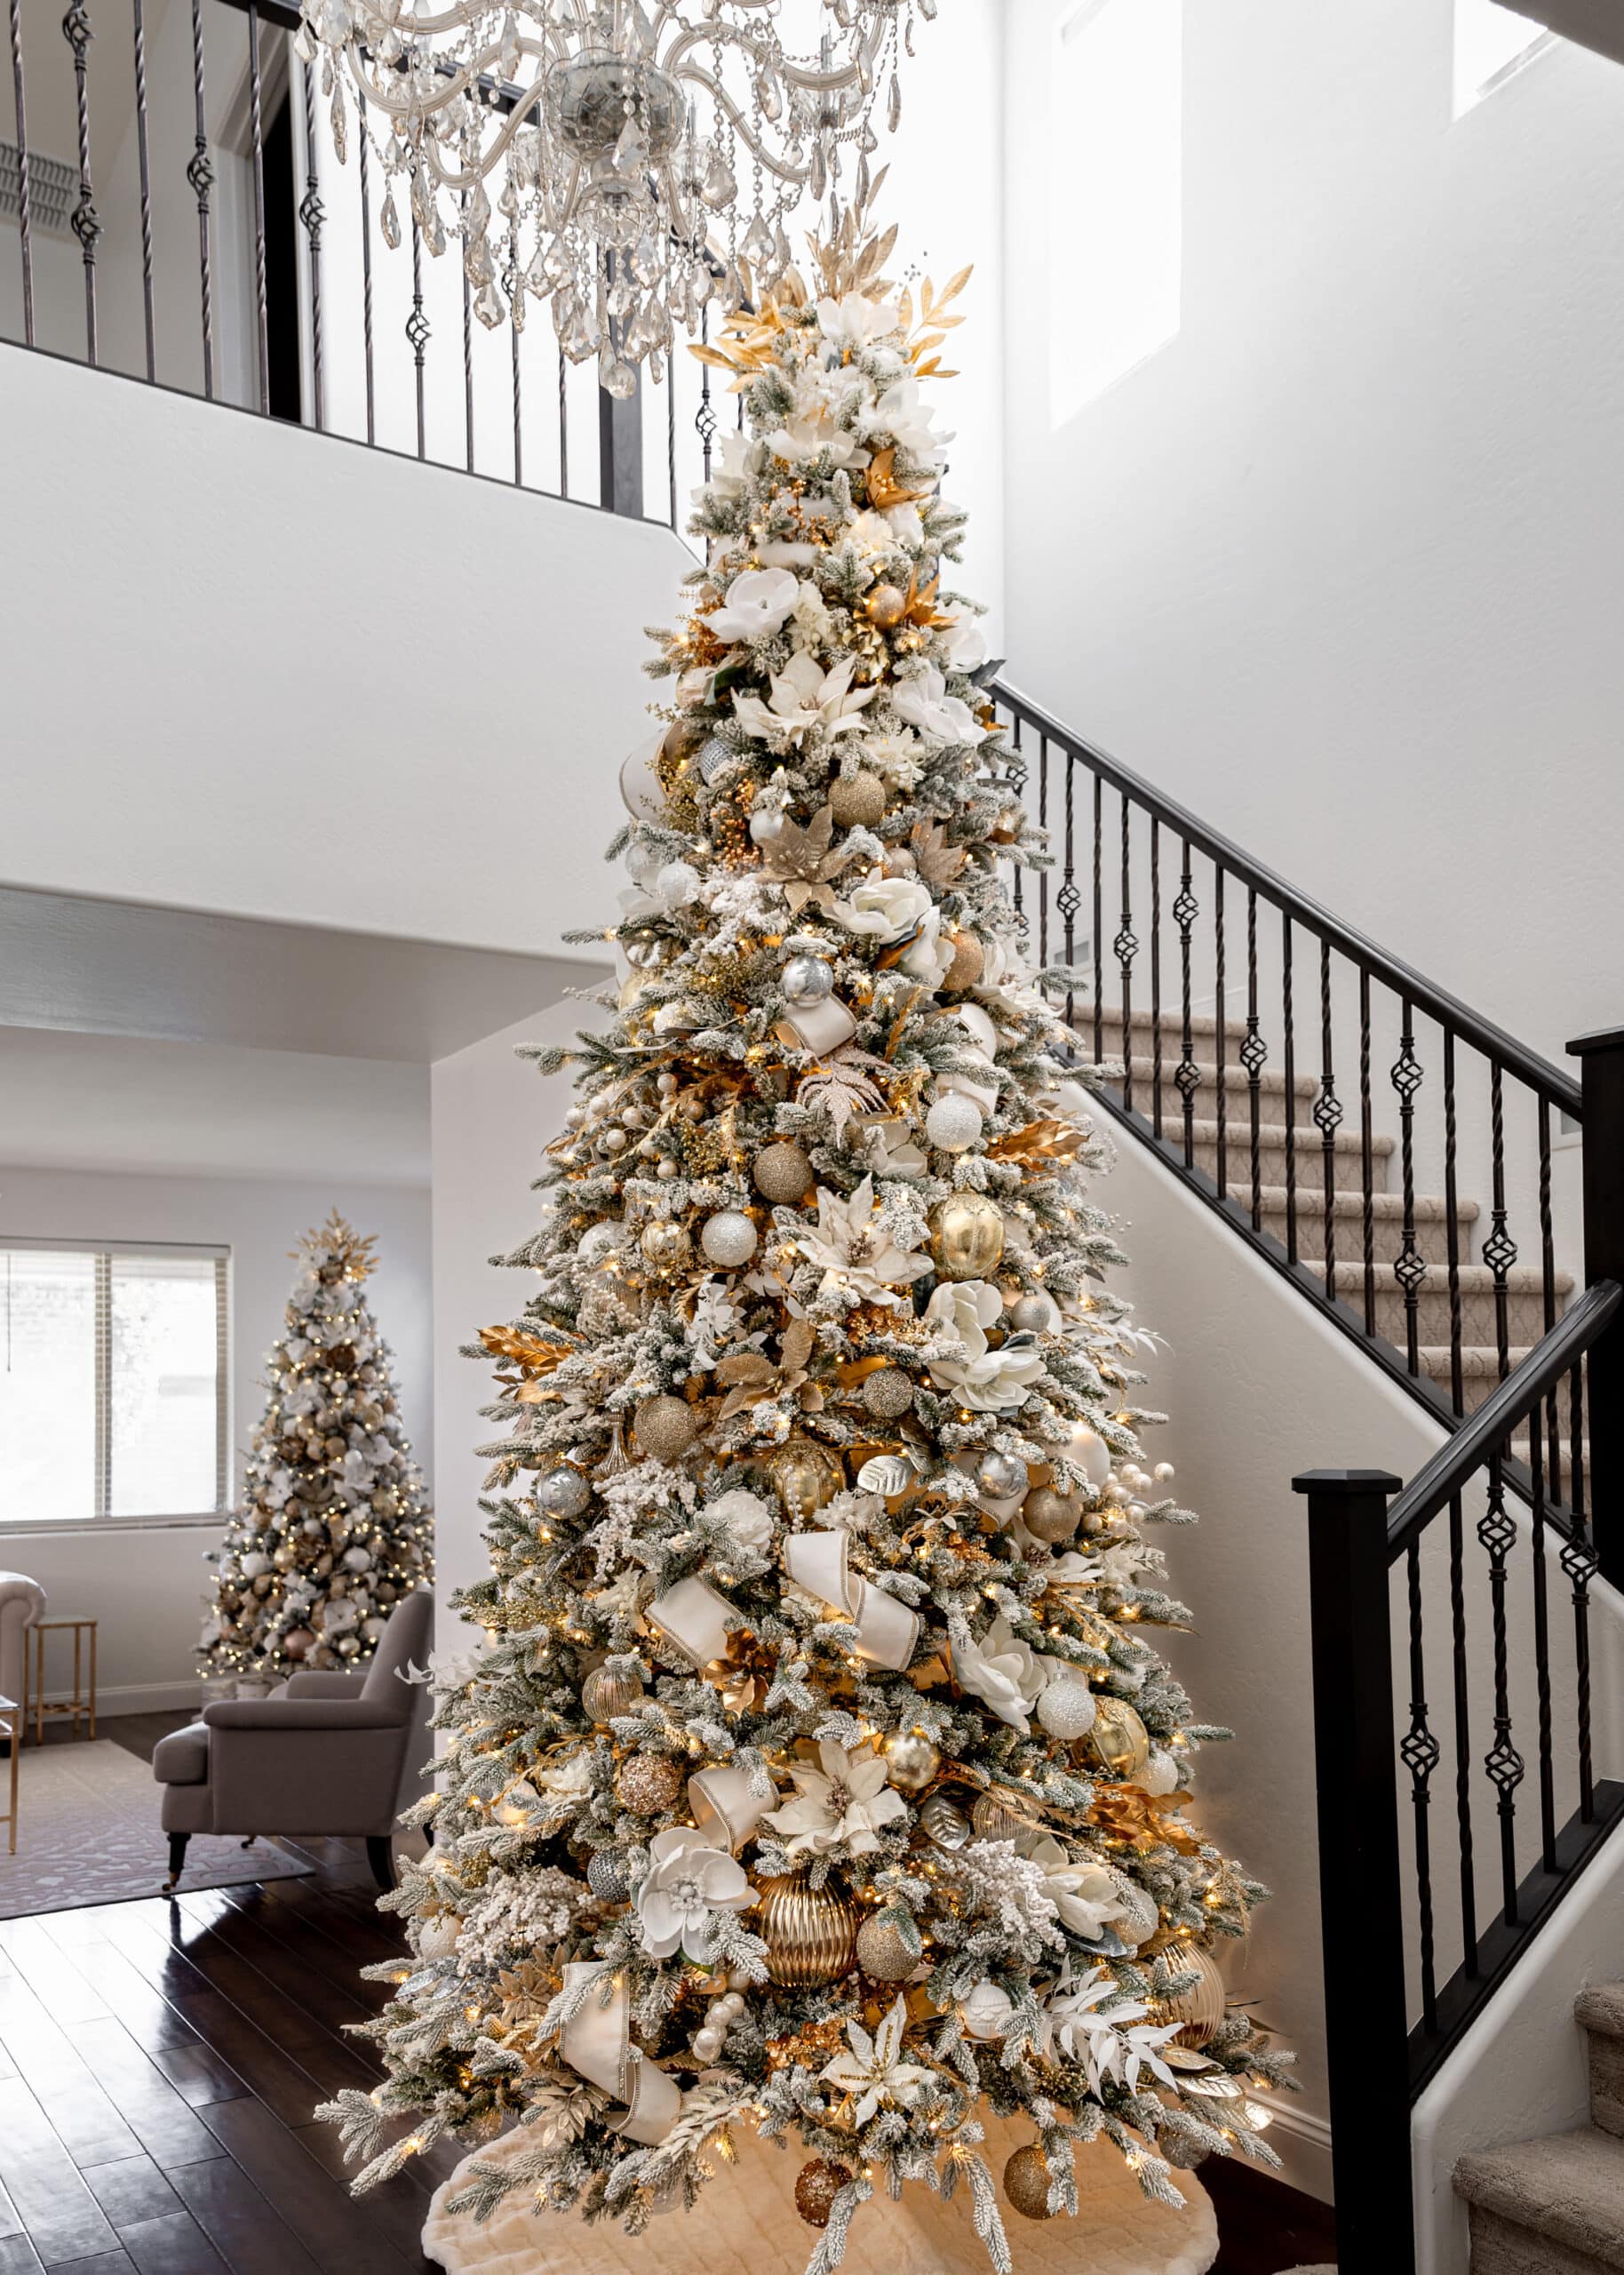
{"x":334,"y":1525}
{"x":817,"y":1772}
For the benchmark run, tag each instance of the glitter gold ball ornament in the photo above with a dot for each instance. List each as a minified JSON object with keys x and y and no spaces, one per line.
{"x":861,"y":801}
{"x":648,"y":1783}
{"x":1201,"y":2008}
{"x":1066,"y":1708}
{"x":886,"y":606}
{"x":664,"y":1428}
{"x":953,"y":1122}
{"x":945,"y":1822}
{"x":729,"y":1238}
{"x":995,"y":1818}
{"x":816,"y":2186}
{"x":966,"y":1235}
{"x":911,"y":1760}
{"x":1051,"y":1516}
{"x":1119,"y":1738}
{"x":782,"y":1171}
{"x":883,"y":1953}
{"x":563,"y":1492}
{"x":605,"y":1693}
{"x":969,"y":961}
{"x":806,"y":1475}
{"x":1026,"y":2184}
{"x":887,"y":1394}
{"x":807,"y":981}
{"x":666,"y":1246}
{"x":810,"y":1934}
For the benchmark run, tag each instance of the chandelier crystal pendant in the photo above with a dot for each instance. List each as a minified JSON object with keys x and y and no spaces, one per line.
{"x":642,"y":159}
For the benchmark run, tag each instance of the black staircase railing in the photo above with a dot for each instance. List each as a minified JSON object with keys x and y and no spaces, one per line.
{"x":1311,"y":1087}
{"x":222,"y":253}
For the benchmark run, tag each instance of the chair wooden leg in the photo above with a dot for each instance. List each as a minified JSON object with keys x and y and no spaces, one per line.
{"x":177,"y":1858}
{"x":380,"y":1856}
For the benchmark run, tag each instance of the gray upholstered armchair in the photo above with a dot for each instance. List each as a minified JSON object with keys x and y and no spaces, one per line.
{"x":22,"y":1602}
{"x":324,"y":1754}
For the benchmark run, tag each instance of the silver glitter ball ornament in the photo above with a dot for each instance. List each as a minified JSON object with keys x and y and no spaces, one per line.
{"x":563,"y":1492}
{"x":606,"y":1876}
{"x":1033,"y":1314}
{"x":714,"y":756}
{"x":1066,"y":1708}
{"x":1001,"y":1476}
{"x":729,"y":1238}
{"x":807,"y":981}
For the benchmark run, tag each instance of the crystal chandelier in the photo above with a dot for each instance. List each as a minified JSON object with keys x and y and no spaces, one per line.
{"x":643,"y":158}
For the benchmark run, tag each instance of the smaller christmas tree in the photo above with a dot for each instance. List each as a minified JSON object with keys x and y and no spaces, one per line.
{"x":335,"y":1525}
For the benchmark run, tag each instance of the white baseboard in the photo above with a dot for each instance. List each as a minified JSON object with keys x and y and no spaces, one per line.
{"x":1302,"y":2140}
{"x":147,"y":1698}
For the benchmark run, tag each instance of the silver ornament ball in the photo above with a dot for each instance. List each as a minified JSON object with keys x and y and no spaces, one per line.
{"x":1000,"y":1475}
{"x":563,"y":1492}
{"x":1034,"y":1314}
{"x":807,"y":981}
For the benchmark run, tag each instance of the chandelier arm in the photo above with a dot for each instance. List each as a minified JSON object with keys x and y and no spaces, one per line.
{"x":498,"y":148}
{"x":795,"y":176}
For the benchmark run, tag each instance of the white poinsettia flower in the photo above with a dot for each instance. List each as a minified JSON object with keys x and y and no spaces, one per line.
{"x":885,"y":908}
{"x":1083,"y":1893}
{"x":1002,"y":1672}
{"x":910,"y":422}
{"x":856,"y":1250}
{"x":746,"y":1517}
{"x":842,"y":1804}
{"x":689,"y":1884}
{"x":986,"y":1380}
{"x":874,"y":2069}
{"x":897,"y":757}
{"x":1112,"y":2045}
{"x":892,"y":1148}
{"x":754,"y":605}
{"x":852,"y":321}
{"x":804,"y":697}
{"x":965,"y":641}
{"x":925,"y":703}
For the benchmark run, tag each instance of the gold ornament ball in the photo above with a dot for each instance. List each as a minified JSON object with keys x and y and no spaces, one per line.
{"x":886,"y":606}
{"x":285,"y":1558}
{"x":816,"y":2186}
{"x":966,"y":1235}
{"x":860,"y":801}
{"x":969,"y":961}
{"x":1201,"y":2008}
{"x":1051,"y":1516}
{"x":665,"y":1427}
{"x":883,"y":1952}
{"x":296,"y":1642}
{"x":646,"y":1783}
{"x":806,"y":1476}
{"x":1026,"y":2184}
{"x":887,"y":1394}
{"x":605,"y":1693}
{"x":945,"y":1822}
{"x":810,"y":1934}
{"x":666,"y":1246}
{"x":911,"y":1760}
{"x":782,"y":1171}
{"x":1119,"y":1739}
{"x":996,"y":1818}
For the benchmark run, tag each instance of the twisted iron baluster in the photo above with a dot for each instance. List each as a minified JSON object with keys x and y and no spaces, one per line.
{"x":1411,"y":1270}
{"x":1463,"y":1743}
{"x":25,"y":198}
{"x":467,"y":368}
{"x":1043,"y":874}
{"x":1221,"y":1054}
{"x":1015,"y":780}
{"x":418,"y":331}
{"x":515,"y":325}
{"x":200,"y":173}
{"x":1099,"y":924}
{"x":1126,"y":948}
{"x":704,"y":418}
{"x":1368,"y":1168}
{"x":1253,"y":1053}
{"x":1187,"y":1075}
{"x":1068,"y":900}
{"x":312,"y":212}
{"x":1452,"y":1227}
{"x":77,"y":31}
{"x":257,"y":132}
{"x":1419,"y":1751}
{"x":1499,"y":1250}
{"x":1578,"y":1562}
{"x":1156,"y":975}
{"x":1288,"y":1050}
{"x":1327,"y":1116}
{"x":366,"y":263}
{"x":1503,"y":1764}
{"x":1541,"y":1651}
{"x":1548,"y":1286}
{"x":144,"y":163}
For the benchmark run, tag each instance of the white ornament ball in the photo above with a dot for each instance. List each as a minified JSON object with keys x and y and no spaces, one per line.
{"x":563,"y":1492}
{"x":1066,"y":1708}
{"x":255,"y":1562}
{"x":641,"y":788}
{"x":677,"y":883}
{"x":1160,"y":1774}
{"x":1091,"y":1453}
{"x":729,"y":1238}
{"x":1163,"y":1474}
{"x":357,"y":1560}
{"x":988,"y":2011}
{"x":707,"y":2043}
{"x":767,"y":826}
{"x":807,"y":981}
{"x":953,"y":1122}
{"x":437,"y":1937}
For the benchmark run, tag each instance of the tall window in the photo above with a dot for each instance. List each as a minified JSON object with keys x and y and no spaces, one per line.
{"x":1115,"y":202}
{"x":114,"y":1381}
{"x":1492,"y":45}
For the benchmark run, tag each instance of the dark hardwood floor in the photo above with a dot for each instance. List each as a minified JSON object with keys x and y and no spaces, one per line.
{"x":160,"y":2061}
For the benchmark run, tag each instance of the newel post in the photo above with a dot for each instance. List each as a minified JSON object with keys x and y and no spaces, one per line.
{"x":1601,"y":1066}
{"x":1360,"y":1908}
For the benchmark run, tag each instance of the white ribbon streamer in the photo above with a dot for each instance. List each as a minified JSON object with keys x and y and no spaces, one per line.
{"x":821,"y":1027}
{"x":694,"y":1617}
{"x":887,"y":1630}
{"x":723,"y":1804}
{"x":598,"y":2045}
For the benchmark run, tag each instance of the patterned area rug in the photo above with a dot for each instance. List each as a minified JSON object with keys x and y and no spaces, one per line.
{"x":88,"y":1832}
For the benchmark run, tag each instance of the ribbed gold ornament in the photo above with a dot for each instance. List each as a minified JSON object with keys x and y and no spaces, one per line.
{"x":1201,"y":2008}
{"x":810,"y":1934}
{"x":1026,"y":2182}
{"x":966,"y":1235}
{"x":995,"y":1817}
{"x":1119,"y":1739}
{"x":806,"y":1475}
{"x":605,"y":1693}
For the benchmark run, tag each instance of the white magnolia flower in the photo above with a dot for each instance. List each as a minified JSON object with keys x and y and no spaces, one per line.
{"x":885,"y":908}
{"x":804,"y":697}
{"x":1002,"y":1672}
{"x":910,"y":422}
{"x":891,"y":1146}
{"x":842,"y":1804}
{"x":688,"y":1883}
{"x":1100,"y":2042}
{"x":746,"y":1517}
{"x":755,"y":605}
{"x":738,"y":459}
{"x":1083,"y":1893}
{"x":808,"y":436}
{"x":987,"y":2012}
{"x":874,"y":2070}
{"x":858,"y":1251}
{"x":966,"y":642}
{"x":852,"y":322}
{"x":928,"y":956}
{"x":925,"y":703}
{"x":987,"y":1381}
{"x":814,"y":625}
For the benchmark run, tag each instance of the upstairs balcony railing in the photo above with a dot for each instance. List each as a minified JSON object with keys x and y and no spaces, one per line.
{"x":172,"y":208}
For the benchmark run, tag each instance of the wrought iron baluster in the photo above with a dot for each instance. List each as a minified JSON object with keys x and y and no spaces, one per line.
{"x":1367,"y":1169}
{"x":83,"y":221}
{"x":1502,"y":1763}
{"x":1499,"y":1250}
{"x":1043,"y":874}
{"x":1187,"y":1075}
{"x":670,"y":436}
{"x":1452,"y":1227}
{"x":1578,"y":1562}
{"x":1547,"y":1288}
{"x":1126,"y":947}
{"x":1541,"y":1651}
{"x":144,"y":165}
{"x":1156,"y":975}
{"x":467,"y":369}
{"x":563,"y":427}
{"x":515,"y":325}
{"x":1221,"y":1054}
{"x":1017,"y":783}
{"x":1288,"y":1049}
{"x":1411,"y":1270}
{"x":1253,"y":1052}
{"x":366,"y":264}
{"x":1099,"y":923}
{"x":1419,"y":1751}
{"x":704,"y":418}
{"x":312,"y":212}
{"x":1327,"y":1116}
{"x":25,"y":192}
{"x":1068,"y":900}
{"x":200,"y":173}
{"x":417,"y":332}
{"x":1463,"y":1737}
{"x":257,"y":133}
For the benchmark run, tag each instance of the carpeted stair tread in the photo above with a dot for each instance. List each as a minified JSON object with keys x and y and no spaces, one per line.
{"x":1600,"y":2014}
{"x":1270,"y":1082}
{"x":1601,"y":2009}
{"x":1474,"y":1278}
{"x":1568,"y":2189}
{"x":1271,"y":1137}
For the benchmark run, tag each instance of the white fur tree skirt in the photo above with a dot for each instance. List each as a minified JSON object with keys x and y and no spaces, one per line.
{"x":746,"y":2223}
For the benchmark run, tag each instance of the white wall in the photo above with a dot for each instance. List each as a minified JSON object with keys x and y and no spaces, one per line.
{"x":145,"y":1583}
{"x":1339,"y":566}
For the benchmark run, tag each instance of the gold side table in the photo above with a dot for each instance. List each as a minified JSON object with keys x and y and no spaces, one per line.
{"x":12,"y":1718}
{"x":82,"y":1701}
